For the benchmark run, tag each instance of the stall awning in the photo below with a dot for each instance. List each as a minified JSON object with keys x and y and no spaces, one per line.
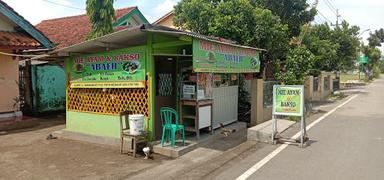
{"x":217,"y":55}
{"x":235,"y":57}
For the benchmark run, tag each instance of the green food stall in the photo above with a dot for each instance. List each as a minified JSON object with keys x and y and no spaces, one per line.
{"x":148,"y":67}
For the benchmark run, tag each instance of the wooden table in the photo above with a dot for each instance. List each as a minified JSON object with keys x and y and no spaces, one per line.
{"x":199,"y":123}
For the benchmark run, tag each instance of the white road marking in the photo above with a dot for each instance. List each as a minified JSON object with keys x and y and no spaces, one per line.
{"x":267,"y":158}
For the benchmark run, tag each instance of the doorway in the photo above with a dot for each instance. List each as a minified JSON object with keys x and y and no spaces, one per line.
{"x":165,"y":85}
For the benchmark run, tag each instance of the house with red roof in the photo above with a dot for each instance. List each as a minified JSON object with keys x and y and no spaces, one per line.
{"x":48,"y":80}
{"x":166,"y":20}
{"x":16,"y":35}
{"x":67,"y":31}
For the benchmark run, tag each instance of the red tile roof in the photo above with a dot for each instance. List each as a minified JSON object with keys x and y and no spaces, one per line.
{"x":27,"y":30}
{"x":17,"y":39}
{"x":71,"y":30}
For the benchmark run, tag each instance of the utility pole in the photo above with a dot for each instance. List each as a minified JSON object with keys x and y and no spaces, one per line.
{"x":337,"y":18}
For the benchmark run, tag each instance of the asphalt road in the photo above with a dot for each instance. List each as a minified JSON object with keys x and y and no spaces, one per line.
{"x":348,"y":144}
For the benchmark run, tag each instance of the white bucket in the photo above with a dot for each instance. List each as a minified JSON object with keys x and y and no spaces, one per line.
{"x":136,"y":124}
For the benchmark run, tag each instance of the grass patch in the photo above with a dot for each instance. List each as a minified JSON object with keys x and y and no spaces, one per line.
{"x":347,"y":77}
{"x":294,"y":118}
{"x":337,"y":96}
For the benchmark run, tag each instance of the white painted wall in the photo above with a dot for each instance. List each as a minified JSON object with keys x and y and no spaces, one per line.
{"x":9,"y":75}
{"x":5,"y":24}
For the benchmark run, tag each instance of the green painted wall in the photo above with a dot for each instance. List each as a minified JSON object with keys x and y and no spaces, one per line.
{"x":93,"y":124}
{"x":108,"y":125}
{"x":165,"y":44}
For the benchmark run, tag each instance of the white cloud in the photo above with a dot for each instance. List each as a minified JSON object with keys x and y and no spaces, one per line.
{"x":165,"y":6}
{"x":367,"y":14}
{"x":162,"y":8}
{"x":64,"y":2}
{"x":37,"y":10}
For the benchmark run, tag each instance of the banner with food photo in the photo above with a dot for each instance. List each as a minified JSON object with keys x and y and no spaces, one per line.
{"x":209,"y":56}
{"x":123,"y":68}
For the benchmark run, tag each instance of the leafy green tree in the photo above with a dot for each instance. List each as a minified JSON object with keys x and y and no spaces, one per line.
{"x":194,"y":15}
{"x":374,"y":59}
{"x":101,"y":14}
{"x":237,"y":20}
{"x":295,"y":13}
{"x":298,"y":64}
{"x":347,"y":38}
{"x":375,"y":62}
{"x":325,"y":55}
{"x":244,"y":101}
{"x":234,"y":20}
{"x":376,"y":38}
{"x":334,"y":49}
{"x":318,"y":40}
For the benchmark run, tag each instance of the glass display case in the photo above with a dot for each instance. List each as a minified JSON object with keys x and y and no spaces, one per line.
{"x":196,"y":86}
{"x":196,"y":93}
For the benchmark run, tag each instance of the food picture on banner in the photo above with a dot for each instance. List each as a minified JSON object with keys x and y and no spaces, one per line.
{"x":255,"y":62}
{"x":79,"y":68}
{"x":131,"y":66}
{"x":211,"y":57}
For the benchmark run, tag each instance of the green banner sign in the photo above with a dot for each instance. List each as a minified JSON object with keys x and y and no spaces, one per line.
{"x":123,"y":68}
{"x":222,"y":58}
{"x":363,"y":59}
{"x":288,"y":100}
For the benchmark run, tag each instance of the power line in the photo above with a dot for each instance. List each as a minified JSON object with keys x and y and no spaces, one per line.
{"x":324,"y":16}
{"x":16,"y":55}
{"x":63,"y":5}
{"x":330,"y":6}
{"x":321,"y":19}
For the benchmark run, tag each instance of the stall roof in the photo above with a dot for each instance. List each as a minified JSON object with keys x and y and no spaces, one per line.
{"x":130,"y":37}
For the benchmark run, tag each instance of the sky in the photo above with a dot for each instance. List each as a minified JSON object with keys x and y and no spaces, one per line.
{"x":368,"y":14}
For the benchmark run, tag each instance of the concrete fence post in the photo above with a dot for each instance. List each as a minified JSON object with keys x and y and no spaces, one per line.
{"x":331,"y":77}
{"x":257,"y":108}
{"x":321,"y":85}
{"x":308,"y":88}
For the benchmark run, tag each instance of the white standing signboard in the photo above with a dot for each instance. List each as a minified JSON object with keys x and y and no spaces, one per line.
{"x":288,"y":100}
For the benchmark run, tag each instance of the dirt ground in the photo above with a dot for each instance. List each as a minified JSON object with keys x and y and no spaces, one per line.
{"x":26,"y":154}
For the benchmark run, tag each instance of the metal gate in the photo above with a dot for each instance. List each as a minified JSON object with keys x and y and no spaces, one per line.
{"x":48,"y":87}
{"x":25,"y":88}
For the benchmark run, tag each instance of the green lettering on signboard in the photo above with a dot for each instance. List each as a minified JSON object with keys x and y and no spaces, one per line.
{"x":108,"y":69}
{"x":288,"y":100}
{"x":223,"y":58}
